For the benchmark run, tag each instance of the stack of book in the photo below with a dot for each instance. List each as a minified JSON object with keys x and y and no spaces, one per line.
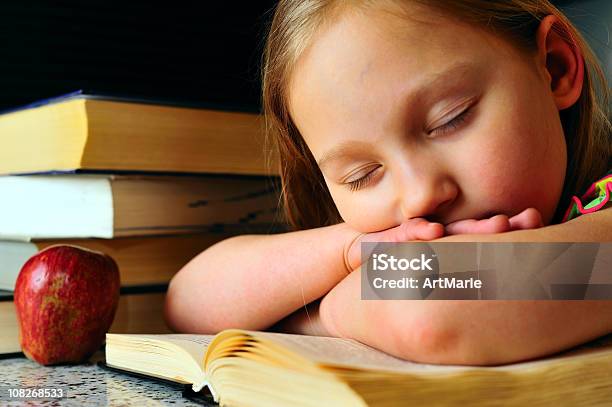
{"x":150,"y":184}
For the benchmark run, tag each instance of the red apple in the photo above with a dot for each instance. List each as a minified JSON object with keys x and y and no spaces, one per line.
{"x":66,"y":298}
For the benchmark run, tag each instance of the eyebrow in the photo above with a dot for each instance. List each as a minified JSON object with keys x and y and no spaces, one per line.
{"x":344,"y":149}
{"x":348,"y":148}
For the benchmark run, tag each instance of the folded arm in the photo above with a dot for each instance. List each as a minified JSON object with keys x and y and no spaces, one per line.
{"x":253,"y":281}
{"x":474,"y":332}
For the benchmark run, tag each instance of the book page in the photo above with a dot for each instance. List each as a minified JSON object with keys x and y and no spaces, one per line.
{"x":204,"y":340}
{"x":600,"y":347}
{"x":350,"y":353}
{"x":195,"y":345}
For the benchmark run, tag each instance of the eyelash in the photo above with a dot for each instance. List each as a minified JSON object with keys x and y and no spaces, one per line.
{"x":453,"y":124}
{"x":361,"y":182}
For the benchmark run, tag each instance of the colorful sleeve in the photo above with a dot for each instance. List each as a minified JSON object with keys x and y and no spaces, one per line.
{"x":596,"y":198}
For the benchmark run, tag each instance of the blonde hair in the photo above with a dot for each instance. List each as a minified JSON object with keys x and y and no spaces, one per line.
{"x":306,"y":200}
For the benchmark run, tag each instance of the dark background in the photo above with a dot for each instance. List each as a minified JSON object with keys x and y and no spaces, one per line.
{"x":198,"y":51}
{"x":179,"y":50}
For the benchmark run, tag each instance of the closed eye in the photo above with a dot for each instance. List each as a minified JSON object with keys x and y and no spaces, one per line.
{"x":363,"y":181}
{"x":453,"y":124}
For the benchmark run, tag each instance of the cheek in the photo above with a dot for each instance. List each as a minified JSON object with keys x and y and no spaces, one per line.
{"x":533,"y":146}
{"x":364,"y":211}
{"x":523,"y":165}
{"x":499,"y":179}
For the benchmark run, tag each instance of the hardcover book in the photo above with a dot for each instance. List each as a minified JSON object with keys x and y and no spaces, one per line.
{"x":109,"y":206}
{"x":96,"y":132}
{"x":141,"y":260}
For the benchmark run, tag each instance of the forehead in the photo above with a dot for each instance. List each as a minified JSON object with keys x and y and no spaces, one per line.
{"x":365,"y":61}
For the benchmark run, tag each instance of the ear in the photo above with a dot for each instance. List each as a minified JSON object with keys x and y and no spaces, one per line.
{"x":562,"y":61}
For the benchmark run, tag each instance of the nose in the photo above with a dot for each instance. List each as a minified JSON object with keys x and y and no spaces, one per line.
{"x":425,"y":193}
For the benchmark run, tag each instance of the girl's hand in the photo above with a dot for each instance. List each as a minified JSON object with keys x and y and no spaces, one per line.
{"x":412,"y":229}
{"x":422,"y":229}
{"x":530,"y":218}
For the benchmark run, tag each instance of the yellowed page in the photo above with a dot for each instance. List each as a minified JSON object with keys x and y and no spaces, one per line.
{"x":195,"y":345}
{"x":350,"y":353}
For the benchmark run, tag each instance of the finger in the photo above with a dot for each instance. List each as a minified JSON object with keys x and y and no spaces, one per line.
{"x":494,"y":224}
{"x":530,"y":218}
{"x":414,"y":228}
{"x":418,"y":229}
{"x":428,"y":231}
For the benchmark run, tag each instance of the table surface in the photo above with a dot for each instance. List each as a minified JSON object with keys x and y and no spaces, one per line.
{"x":89,"y":384}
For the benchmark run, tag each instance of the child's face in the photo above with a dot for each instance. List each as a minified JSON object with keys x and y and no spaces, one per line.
{"x":451,"y":122}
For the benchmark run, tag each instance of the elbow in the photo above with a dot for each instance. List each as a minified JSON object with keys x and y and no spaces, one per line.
{"x":172,"y":310}
{"x":193,"y":301}
{"x":175,"y":315}
{"x":436,"y":339}
{"x":199,"y":302}
{"x":182,"y":304}
{"x":433,"y":332}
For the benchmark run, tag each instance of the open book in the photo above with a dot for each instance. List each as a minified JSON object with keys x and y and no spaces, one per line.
{"x":252,"y":368}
